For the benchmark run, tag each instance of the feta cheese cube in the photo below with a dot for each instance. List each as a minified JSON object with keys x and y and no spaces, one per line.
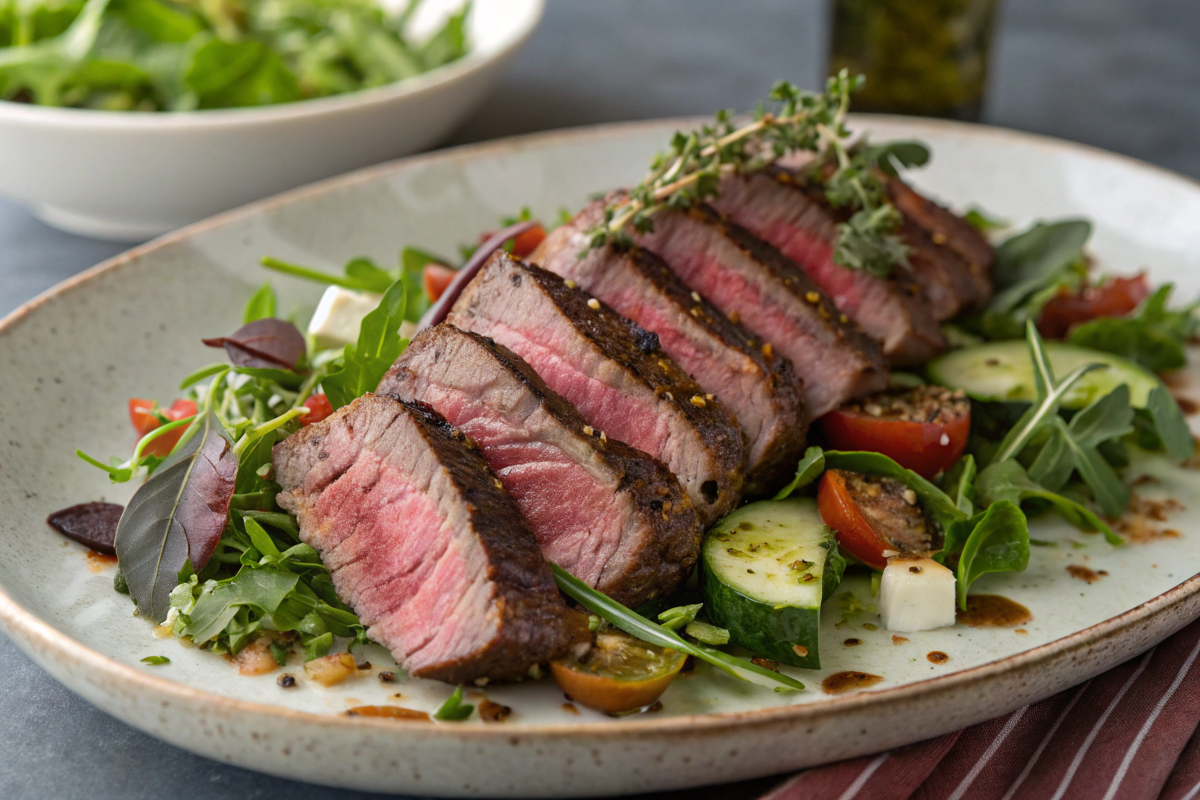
{"x":339,"y":315}
{"x":916,"y":594}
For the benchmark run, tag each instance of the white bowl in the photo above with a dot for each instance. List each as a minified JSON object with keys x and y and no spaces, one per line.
{"x":129,"y":176}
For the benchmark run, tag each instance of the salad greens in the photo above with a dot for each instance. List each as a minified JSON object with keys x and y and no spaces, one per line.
{"x":203,"y":547}
{"x":182,"y":55}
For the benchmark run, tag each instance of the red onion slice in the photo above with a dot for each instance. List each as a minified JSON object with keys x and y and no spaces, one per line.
{"x":441,"y":308}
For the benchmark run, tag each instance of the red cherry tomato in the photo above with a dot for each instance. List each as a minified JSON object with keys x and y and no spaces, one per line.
{"x":524,"y":244}
{"x":319,"y":408}
{"x":527,"y":242}
{"x":146,"y":416}
{"x":840,"y":511}
{"x":436,"y":277}
{"x":924,"y":429}
{"x":1114,"y":298}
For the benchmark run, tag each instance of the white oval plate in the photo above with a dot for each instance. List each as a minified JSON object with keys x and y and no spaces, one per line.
{"x":133,"y":326}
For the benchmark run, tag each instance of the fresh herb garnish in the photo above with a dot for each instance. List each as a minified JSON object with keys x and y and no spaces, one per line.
{"x":454,"y":709}
{"x":800,"y":121}
{"x":995,"y":540}
{"x":156,"y":660}
{"x":636,"y":625}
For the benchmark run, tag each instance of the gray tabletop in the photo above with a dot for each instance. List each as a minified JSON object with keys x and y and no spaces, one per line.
{"x":1120,"y":74}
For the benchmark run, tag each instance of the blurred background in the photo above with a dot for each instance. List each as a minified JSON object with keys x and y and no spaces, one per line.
{"x":1118,"y":74}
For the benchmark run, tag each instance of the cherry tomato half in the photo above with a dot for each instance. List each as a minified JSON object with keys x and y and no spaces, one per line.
{"x":618,"y":673}
{"x":875,"y":518}
{"x":924,"y":428}
{"x":524,"y":243}
{"x":146,"y":416}
{"x":319,"y":408}
{"x":437,"y":278}
{"x":1113,"y":298}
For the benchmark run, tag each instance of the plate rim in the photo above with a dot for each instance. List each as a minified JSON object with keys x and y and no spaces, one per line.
{"x":33,"y":634}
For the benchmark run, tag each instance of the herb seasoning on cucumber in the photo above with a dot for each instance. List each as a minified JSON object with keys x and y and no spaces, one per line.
{"x":766,"y":568}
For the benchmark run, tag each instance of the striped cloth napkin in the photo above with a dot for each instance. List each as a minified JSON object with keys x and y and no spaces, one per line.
{"x":1125,"y":735}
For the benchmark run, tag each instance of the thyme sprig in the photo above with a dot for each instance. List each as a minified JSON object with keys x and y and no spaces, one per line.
{"x":800,"y":121}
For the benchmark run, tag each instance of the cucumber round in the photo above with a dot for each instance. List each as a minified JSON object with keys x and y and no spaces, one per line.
{"x":766,"y":568}
{"x":1003,"y":372}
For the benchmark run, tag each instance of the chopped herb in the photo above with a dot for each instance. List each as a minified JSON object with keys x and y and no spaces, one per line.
{"x":156,"y":660}
{"x":454,"y":709}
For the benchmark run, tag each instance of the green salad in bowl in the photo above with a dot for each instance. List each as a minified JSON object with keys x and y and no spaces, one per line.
{"x":183,"y":55}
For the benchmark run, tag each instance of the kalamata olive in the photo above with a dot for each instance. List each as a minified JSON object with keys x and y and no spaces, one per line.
{"x":91,"y":524}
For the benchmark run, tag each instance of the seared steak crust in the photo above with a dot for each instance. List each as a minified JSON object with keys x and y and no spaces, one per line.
{"x":641,"y":537}
{"x":351,"y":478}
{"x":771,"y":296}
{"x":949,"y":230}
{"x":779,"y":206}
{"x":756,"y":384}
{"x":613,"y":371}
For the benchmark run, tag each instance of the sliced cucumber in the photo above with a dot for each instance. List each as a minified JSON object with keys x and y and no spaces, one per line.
{"x":766,"y":568}
{"x":1003,"y":371}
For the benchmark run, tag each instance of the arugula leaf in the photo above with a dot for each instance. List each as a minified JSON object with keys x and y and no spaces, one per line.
{"x":959,"y":483}
{"x":161,"y":21}
{"x":1037,"y":259}
{"x":260,"y":305}
{"x":1008,"y":481}
{"x":1153,"y":336}
{"x":379,"y":345}
{"x":998,"y":542}
{"x":263,"y":589}
{"x":811,"y":465}
{"x":1169,"y":424}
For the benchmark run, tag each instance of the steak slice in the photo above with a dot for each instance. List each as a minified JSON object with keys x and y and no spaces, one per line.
{"x":422,"y":541}
{"x":945,"y":280}
{"x":759,"y":287}
{"x":610,"y":515}
{"x":613,"y":371}
{"x":775,"y":205}
{"x":753,"y":382}
{"x":947,"y":229}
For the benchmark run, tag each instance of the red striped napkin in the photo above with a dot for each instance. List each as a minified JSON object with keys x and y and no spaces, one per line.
{"x":1125,"y":735}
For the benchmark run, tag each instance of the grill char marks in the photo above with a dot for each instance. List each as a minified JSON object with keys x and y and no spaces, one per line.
{"x":613,"y":371}
{"x":755,"y":384}
{"x":776,"y":206}
{"x":762,"y":289}
{"x":612,"y":516}
{"x":422,"y":541}
{"x":954,"y":233}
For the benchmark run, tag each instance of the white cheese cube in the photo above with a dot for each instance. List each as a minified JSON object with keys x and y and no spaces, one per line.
{"x":339,"y":315}
{"x":916,"y":594}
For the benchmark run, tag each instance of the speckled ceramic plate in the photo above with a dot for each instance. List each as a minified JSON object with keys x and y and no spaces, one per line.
{"x":133,"y":326}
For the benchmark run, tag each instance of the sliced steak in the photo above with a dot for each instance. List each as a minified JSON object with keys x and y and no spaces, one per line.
{"x":753,"y":382}
{"x":947,"y":229}
{"x":759,"y":287}
{"x":613,"y":371}
{"x":610,"y":515}
{"x":946,"y":283}
{"x":422,"y":541}
{"x":777,"y":206}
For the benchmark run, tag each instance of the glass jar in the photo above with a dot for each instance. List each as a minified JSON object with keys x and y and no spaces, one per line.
{"x":922,"y":57}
